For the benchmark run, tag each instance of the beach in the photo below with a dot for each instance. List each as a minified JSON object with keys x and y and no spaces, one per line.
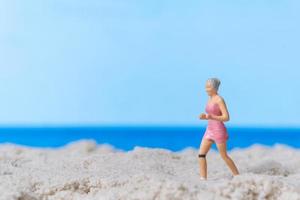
{"x":84,"y":169}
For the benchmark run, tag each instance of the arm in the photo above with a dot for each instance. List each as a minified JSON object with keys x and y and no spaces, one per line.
{"x":225,"y":115}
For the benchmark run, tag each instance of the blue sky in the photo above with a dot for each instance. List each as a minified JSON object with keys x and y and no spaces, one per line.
{"x":131,"y":62}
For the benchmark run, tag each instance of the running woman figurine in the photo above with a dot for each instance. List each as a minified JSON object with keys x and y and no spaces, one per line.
{"x":216,"y":131}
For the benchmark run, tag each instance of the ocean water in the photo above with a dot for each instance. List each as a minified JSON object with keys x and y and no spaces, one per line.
{"x":126,"y":138}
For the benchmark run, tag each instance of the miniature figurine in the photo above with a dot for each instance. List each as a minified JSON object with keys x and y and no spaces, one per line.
{"x":216,"y":132}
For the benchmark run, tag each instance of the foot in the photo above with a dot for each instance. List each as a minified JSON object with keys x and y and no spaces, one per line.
{"x":202,"y":178}
{"x":233,"y":175}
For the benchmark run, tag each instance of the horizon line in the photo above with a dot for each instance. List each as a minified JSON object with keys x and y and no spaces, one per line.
{"x":3,"y":126}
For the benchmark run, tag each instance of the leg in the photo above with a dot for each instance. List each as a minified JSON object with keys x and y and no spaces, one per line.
{"x":226,"y":158}
{"x":204,"y":148}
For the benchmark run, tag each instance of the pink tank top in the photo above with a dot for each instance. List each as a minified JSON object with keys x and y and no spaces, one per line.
{"x":213,"y":108}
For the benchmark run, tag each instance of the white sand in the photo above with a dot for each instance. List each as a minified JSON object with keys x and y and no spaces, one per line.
{"x":85,"y":170}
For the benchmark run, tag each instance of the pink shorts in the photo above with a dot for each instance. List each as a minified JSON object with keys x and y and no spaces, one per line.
{"x":218,"y":136}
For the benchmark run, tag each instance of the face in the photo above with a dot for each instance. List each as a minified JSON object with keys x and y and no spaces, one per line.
{"x":209,"y":89}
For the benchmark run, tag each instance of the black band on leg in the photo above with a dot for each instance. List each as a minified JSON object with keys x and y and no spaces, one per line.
{"x":201,"y":155}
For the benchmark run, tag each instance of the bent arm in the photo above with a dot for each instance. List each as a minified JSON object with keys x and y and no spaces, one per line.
{"x":225,"y":115}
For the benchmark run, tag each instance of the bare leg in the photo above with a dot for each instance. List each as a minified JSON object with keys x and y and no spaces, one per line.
{"x":223,"y":152}
{"x":204,"y":148}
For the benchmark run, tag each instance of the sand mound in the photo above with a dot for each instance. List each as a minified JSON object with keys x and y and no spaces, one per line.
{"x":85,"y":170}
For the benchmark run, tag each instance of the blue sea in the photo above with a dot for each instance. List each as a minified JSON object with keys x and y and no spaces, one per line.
{"x":127,"y":137}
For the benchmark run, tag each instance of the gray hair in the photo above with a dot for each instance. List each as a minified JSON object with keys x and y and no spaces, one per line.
{"x":215,"y":82}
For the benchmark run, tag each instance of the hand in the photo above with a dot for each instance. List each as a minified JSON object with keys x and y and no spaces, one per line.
{"x":208,"y":116}
{"x":202,"y":116}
